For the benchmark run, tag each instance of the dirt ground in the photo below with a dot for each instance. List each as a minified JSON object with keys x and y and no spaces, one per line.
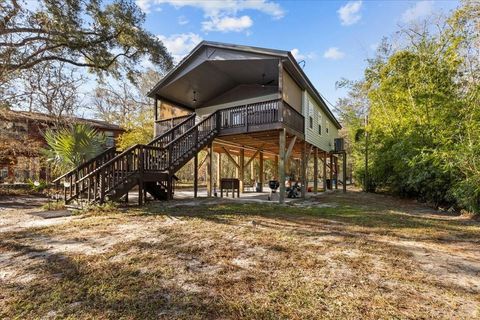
{"x":350,"y":256}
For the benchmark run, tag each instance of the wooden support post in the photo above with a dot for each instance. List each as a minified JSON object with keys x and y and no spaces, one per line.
{"x":261,"y":174}
{"x":315,"y":170}
{"x":252,"y":170}
{"x":209,"y":170}
{"x":281,"y":165}
{"x":275,"y":167}
{"x":237,"y":167}
{"x":344,"y":172}
{"x":242,"y":170}
{"x":219,"y":169}
{"x":336,"y":172}
{"x":195,"y":175}
{"x":140,"y":179}
{"x":324,"y":175}
{"x":303,"y":169}
{"x":280,"y":90}
{"x":331,"y":171}
{"x":170,"y":187}
{"x":140,"y":191}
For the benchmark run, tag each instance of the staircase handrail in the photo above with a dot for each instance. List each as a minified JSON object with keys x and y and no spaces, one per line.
{"x":192,"y":128}
{"x":141,"y":153}
{"x":171,"y":130}
{"x":85,"y":164}
{"x":150,"y":144}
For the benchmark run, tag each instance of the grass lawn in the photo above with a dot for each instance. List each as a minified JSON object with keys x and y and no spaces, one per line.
{"x":338,"y":256}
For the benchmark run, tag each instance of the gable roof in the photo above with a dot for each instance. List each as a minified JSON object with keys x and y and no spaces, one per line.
{"x":290,"y":64}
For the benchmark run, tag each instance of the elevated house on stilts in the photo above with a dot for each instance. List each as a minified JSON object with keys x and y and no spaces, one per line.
{"x":240,"y":102}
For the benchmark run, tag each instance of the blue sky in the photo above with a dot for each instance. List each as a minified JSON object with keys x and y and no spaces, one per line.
{"x":333,"y":37}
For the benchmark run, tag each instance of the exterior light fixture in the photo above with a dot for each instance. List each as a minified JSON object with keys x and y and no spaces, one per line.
{"x":194,"y":96}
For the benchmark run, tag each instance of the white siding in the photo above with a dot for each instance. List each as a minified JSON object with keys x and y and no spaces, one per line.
{"x":324,"y":140}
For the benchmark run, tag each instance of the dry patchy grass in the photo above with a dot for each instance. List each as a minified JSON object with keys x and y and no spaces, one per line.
{"x":335,"y":257}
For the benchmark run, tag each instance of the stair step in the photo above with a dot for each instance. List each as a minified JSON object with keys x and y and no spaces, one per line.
{"x":158,"y":187}
{"x":72,"y":207}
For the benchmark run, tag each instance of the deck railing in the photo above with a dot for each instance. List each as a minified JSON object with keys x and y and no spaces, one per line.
{"x":164,"y":125}
{"x":168,"y":152}
{"x":245,"y":117}
{"x":182,"y":125}
{"x":146,"y":159}
{"x":292,"y":118}
{"x":69,"y":179}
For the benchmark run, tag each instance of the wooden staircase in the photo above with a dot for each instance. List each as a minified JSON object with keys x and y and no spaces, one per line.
{"x":151,"y":167}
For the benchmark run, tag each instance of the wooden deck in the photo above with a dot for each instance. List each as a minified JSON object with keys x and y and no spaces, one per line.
{"x":267,"y":141}
{"x":263,"y":116}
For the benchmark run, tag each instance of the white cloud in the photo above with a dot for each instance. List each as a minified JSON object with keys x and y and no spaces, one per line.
{"x":179,"y":45}
{"x":300,"y":56}
{"x":144,"y":5}
{"x":419,"y":10}
{"x":221,"y":15}
{"x":349,"y":13}
{"x":227,"y":24}
{"x":333,"y":53}
{"x":182,"y":20}
{"x":219,"y":7}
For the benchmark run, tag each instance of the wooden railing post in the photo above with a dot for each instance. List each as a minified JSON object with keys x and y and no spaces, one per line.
{"x":280,"y":111}
{"x":76,"y":184}
{"x":218,"y":122}
{"x":170,"y":155}
{"x":141,"y":158}
{"x":101,"y":183}
{"x":140,"y":174}
{"x":246,"y":118}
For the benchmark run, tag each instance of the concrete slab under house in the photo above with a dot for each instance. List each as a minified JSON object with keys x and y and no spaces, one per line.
{"x":242,"y":103}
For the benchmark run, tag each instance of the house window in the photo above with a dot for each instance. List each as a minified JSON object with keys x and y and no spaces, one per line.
{"x":327,"y":126}
{"x":319,"y":118}
{"x":109,"y":139}
{"x":310,"y":115}
{"x":3,"y":173}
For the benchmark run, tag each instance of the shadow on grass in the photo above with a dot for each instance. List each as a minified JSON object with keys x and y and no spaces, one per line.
{"x":371,"y":220}
{"x":82,"y":286}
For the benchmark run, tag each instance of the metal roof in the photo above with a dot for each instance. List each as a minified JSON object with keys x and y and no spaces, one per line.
{"x":289,"y":62}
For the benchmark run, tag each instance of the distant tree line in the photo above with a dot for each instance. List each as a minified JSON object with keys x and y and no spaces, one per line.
{"x":416,"y":112}
{"x":48,"y":51}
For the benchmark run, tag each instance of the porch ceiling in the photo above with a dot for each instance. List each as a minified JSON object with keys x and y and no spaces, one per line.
{"x":265,"y":140}
{"x":211,"y":78}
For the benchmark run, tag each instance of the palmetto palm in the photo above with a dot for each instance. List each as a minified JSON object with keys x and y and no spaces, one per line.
{"x":70,"y":146}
